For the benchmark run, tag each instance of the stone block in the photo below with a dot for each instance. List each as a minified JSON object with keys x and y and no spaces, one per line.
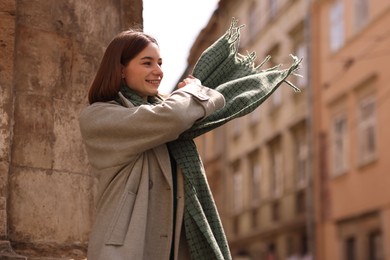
{"x":54,"y":16}
{"x":3,"y":197}
{"x":91,"y":27}
{"x":33,"y":132}
{"x":75,"y":19}
{"x":43,"y":60}
{"x":8,"y":6}
{"x":4,"y":168}
{"x":4,"y":132}
{"x":69,"y":152}
{"x":3,"y":217}
{"x":7,"y":40}
{"x":49,"y":206}
{"x":84,"y":68}
{"x":6,"y":252}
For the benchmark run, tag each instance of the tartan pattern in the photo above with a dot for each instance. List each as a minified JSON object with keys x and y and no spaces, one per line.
{"x":203,"y":227}
{"x":244,"y":87}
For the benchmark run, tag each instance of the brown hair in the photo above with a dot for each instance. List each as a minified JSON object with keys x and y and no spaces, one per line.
{"x":121,"y":50}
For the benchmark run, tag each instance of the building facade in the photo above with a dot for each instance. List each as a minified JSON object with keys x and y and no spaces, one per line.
{"x":49,"y":53}
{"x":352,"y":95}
{"x":258,"y":165}
{"x":305,"y":175}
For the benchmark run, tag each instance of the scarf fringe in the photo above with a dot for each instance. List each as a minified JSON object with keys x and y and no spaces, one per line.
{"x":233,"y":37}
{"x":263,"y":62}
{"x":292,"y":71}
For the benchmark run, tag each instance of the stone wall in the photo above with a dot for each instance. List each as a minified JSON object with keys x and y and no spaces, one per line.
{"x":7,"y":47}
{"x":49,"y":53}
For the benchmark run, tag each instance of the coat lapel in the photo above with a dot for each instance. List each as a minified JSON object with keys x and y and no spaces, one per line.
{"x":162,"y":156}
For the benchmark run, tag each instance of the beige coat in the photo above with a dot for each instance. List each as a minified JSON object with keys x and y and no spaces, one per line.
{"x":126,"y":146}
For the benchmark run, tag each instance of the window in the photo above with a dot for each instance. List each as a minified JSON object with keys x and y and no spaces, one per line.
{"x":236,"y":225}
{"x":339,"y":145}
{"x":254,"y":221}
{"x":367,"y":130}
{"x":301,"y":52}
{"x":361,"y":14}
{"x":275,"y":211}
{"x":375,"y":245}
{"x":361,"y":237}
{"x":350,"y":249}
{"x":254,"y":116}
{"x":255,"y":171}
{"x":300,"y":48}
{"x":272,"y":9}
{"x":272,"y":252}
{"x":300,"y":202}
{"x":209,"y":144}
{"x":304,"y":248}
{"x":254,"y":21}
{"x":276,"y":96}
{"x":236,"y":127}
{"x":238,"y":189}
{"x":337,"y":25}
{"x":301,"y":157}
{"x":276,"y":170}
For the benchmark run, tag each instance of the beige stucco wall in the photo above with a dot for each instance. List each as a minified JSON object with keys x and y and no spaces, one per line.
{"x":353,"y":203}
{"x":362,"y":189}
{"x":49,"y":53}
{"x":230,"y":149}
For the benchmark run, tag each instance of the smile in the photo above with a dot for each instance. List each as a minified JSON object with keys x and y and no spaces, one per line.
{"x":154,"y":81}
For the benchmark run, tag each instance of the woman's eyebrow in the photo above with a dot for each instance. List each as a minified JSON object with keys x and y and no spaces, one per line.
{"x":150,"y":58}
{"x":146,"y":58}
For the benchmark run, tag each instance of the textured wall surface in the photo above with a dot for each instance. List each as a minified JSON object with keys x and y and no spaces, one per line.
{"x":49,"y":53}
{"x":7,"y":42}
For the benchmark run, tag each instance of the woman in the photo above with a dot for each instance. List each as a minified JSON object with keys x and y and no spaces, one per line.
{"x":126,"y":129}
{"x":154,"y":201}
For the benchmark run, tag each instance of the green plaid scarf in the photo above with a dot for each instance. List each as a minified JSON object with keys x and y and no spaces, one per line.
{"x":245,"y":88}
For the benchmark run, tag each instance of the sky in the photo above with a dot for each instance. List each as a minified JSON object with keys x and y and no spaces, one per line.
{"x":175,"y":24}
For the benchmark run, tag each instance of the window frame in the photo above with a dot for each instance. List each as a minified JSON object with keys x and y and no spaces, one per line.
{"x":364,"y":124}
{"x":337,"y":26}
{"x":341,"y":138}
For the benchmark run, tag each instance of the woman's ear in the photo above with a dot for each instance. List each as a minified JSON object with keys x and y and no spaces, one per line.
{"x":122,"y":71}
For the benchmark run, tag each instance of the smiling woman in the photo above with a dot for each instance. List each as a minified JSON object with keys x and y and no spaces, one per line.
{"x":126,"y":130}
{"x":182,"y":24}
{"x":154,"y":201}
{"x":123,"y":49}
{"x":143,"y":73}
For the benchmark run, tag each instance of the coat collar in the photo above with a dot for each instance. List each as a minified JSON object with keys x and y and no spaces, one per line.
{"x":125,"y":101}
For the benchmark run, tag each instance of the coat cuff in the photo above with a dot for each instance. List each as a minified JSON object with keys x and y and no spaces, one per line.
{"x":210,"y":99}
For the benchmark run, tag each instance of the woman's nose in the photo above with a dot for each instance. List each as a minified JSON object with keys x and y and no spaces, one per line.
{"x":158,"y":70}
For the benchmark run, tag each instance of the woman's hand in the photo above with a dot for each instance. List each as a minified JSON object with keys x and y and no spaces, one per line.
{"x":189,"y":80}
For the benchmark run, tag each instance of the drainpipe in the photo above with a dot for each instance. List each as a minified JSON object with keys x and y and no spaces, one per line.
{"x":310,"y":213}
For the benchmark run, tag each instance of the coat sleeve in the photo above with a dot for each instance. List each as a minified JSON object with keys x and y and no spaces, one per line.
{"x":243,"y":95}
{"x":114,"y":134}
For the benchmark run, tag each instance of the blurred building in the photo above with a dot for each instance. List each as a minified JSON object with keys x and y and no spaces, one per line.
{"x":257,"y":165}
{"x":350,"y":44}
{"x":50,"y":51}
{"x":305,"y":175}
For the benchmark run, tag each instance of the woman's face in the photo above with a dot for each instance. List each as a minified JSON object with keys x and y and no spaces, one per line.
{"x":143,"y":73}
